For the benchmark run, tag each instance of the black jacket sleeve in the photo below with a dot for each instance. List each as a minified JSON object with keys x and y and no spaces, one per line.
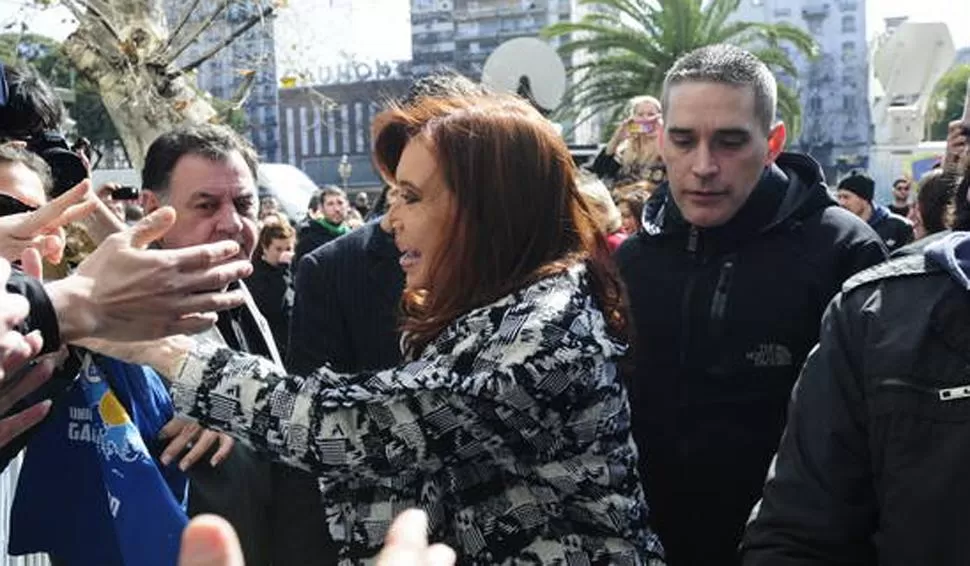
{"x":864,"y":252}
{"x":42,"y":316}
{"x":317,"y":333}
{"x":604,"y":166}
{"x":819,"y":503}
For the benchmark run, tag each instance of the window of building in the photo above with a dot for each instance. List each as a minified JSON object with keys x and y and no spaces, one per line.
{"x":317,"y":131}
{"x":815,"y":25}
{"x":782,"y":12}
{"x":848,"y":24}
{"x":359,"y":126}
{"x":331,"y":132}
{"x":290,"y":137}
{"x":304,"y":131}
{"x":345,"y":127}
{"x":848,"y":51}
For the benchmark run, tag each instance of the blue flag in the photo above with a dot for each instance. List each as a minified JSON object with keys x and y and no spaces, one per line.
{"x":91,"y":492}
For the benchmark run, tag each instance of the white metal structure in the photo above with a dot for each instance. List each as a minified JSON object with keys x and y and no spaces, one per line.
{"x":531,"y":58}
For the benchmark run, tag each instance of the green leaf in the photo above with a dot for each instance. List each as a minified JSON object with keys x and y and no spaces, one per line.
{"x":629,"y":45}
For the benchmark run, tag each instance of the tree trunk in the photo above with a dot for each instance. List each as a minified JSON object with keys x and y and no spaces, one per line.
{"x":121,"y":50}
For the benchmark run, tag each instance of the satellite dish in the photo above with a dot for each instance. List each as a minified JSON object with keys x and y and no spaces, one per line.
{"x":530,"y":68}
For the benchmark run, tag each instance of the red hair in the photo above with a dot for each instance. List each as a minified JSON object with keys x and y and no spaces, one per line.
{"x":520,"y":216}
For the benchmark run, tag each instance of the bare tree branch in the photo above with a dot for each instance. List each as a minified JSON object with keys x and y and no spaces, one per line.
{"x":98,"y":16}
{"x":268,"y":11}
{"x":178,"y":29}
{"x":206,"y":24}
{"x":242,"y":93}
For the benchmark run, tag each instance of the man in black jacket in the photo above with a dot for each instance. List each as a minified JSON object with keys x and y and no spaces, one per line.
{"x":872,"y":467}
{"x":855,"y":194}
{"x":207,"y":174}
{"x":327,"y":226}
{"x":741,"y":251}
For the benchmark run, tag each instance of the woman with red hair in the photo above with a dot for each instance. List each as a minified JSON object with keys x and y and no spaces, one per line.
{"x":508,"y":423}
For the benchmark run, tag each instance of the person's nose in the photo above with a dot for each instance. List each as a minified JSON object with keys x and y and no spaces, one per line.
{"x":705,"y":164}
{"x":230,"y":221}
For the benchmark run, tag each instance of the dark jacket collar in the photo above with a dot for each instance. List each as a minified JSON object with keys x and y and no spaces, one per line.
{"x":791,"y":188}
{"x":377,"y":242}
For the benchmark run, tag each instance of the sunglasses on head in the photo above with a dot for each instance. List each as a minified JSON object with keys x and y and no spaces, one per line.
{"x":10,"y":205}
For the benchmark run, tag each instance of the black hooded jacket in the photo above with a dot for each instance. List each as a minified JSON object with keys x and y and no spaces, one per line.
{"x":724,"y":319}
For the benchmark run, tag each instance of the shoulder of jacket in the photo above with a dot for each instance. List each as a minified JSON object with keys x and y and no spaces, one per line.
{"x":906,"y":266}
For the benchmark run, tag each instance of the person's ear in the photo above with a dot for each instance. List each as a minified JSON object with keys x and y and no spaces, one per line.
{"x":776,"y":142}
{"x":150,"y":201}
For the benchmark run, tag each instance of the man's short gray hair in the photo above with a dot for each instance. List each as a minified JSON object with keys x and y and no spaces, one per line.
{"x":730,"y":65}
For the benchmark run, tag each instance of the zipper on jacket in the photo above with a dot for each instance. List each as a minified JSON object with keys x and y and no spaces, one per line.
{"x":719,"y":302}
{"x":693,"y":237}
{"x":943,"y":394}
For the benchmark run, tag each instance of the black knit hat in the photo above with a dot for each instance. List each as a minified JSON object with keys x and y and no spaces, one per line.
{"x":860,"y":184}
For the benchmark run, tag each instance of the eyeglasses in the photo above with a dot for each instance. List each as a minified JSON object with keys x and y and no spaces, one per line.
{"x":9,"y":205}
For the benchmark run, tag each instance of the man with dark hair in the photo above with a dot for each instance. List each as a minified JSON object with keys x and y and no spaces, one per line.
{"x":28,"y":105}
{"x":31,"y":112}
{"x":855,"y":194}
{"x":741,"y":249}
{"x":328,"y":224}
{"x":902,"y":187}
{"x":872,"y":467}
{"x":207,"y":173}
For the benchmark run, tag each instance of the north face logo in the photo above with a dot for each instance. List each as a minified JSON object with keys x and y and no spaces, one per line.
{"x":770,"y":356}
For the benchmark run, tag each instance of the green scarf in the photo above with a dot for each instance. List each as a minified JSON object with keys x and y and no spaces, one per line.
{"x":333,"y":228}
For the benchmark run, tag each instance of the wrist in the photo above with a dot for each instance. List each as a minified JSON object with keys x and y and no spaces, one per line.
{"x":70,"y":298}
{"x":172,"y":356}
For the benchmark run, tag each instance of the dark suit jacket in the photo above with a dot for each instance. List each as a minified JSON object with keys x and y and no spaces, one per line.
{"x":345,"y":316}
{"x":346,"y":309}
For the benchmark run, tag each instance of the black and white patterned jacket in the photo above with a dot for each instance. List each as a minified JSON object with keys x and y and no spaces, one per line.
{"x":512,"y":430}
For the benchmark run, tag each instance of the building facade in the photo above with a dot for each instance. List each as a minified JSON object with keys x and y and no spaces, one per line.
{"x":833,"y":88}
{"x":963,"y":56}
{"x":322,"y":124}
{"x":460,"y":35}
{"x":223,"y":75}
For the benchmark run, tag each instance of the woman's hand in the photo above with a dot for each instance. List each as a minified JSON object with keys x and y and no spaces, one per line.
{"x":621,"y":133}
{"x":125,"y":292}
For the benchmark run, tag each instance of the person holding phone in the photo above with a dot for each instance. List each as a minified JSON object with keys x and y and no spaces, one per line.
{"x":633,"y":153}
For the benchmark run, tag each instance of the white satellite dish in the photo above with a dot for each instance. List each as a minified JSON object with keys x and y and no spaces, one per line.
{"x":530,"y":68}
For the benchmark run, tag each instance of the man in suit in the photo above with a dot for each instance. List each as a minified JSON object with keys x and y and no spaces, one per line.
{"x":207,"y":174}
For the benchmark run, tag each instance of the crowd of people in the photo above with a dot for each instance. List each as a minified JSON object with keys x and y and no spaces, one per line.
{"x":552,"y":364}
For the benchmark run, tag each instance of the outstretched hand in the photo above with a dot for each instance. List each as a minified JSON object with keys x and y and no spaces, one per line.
{"x":43,"y":229}
{"x":125,"y":292}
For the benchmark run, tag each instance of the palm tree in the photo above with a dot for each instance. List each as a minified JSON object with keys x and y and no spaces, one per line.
{"x":631,"y":44}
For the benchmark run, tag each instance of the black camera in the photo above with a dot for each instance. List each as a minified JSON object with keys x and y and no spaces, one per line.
{"x":67,"y":167}
{"x":126,"y":192}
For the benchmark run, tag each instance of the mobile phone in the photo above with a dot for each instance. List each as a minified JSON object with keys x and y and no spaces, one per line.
{"x":126,"y":192}
{"x":642,"y":126}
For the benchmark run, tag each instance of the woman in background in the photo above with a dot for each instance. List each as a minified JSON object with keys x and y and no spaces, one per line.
{"x":633,"y":153}
{"x":271,"y":283}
